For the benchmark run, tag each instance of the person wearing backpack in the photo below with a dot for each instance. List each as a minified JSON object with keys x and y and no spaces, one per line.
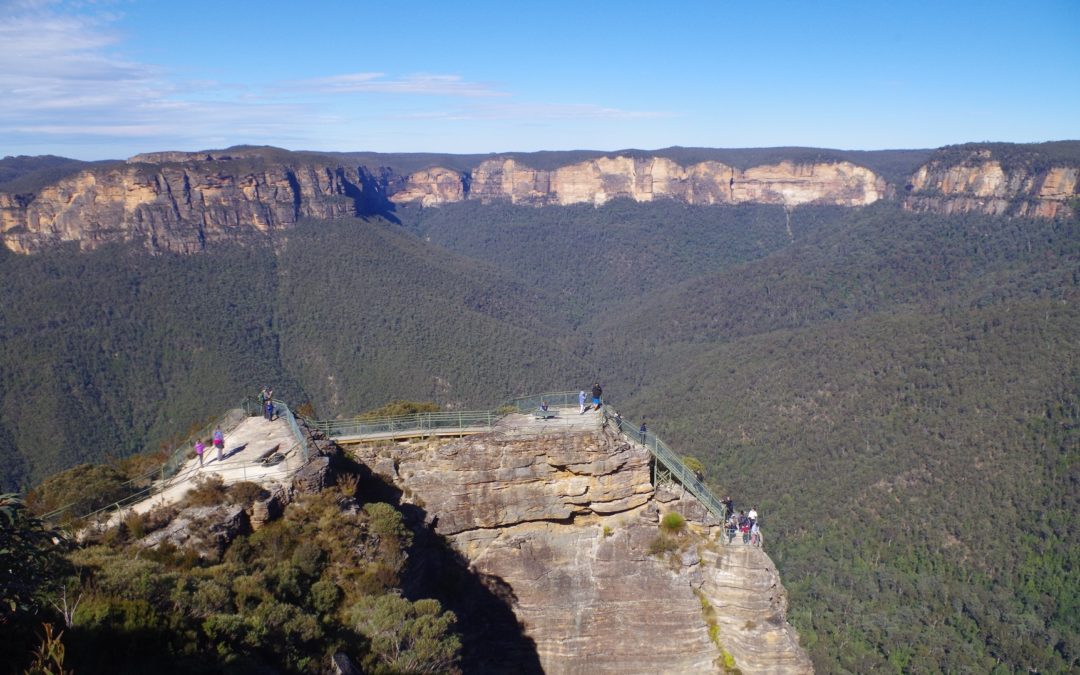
{"x":200,"y":448}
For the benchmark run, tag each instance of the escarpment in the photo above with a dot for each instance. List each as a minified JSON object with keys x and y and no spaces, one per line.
{"x":566,"y":524}
{"x":981,"y":183}
{"x":177,"y":206}
{"x":184,"y":201}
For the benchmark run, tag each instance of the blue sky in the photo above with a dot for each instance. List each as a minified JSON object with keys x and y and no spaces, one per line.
{"x":111,"y":78}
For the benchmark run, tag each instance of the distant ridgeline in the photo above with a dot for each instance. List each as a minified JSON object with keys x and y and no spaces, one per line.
{"x":184,"y":201}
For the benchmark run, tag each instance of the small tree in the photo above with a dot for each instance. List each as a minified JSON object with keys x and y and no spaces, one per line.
{"x":31,"y":559}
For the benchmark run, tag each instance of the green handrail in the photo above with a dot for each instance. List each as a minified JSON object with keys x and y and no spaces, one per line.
{"x":670,"y":461}
{"x":428,"y":421}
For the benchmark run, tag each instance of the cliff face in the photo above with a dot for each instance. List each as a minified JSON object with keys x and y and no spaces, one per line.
{"x":182,"y":201}
{"x":646,"y":178}
{"x":981,"y":184}
{"x":564,"y":523}
{"x":176,"y":206}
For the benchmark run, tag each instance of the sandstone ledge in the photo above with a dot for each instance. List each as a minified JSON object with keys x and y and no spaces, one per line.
{"x":565,"y":522}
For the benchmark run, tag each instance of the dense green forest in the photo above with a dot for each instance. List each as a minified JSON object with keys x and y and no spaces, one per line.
{"x":897,"y":394}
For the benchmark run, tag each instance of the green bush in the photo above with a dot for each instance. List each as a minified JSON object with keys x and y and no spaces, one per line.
{"x":672,"y":522}
{"x":406,"y":637}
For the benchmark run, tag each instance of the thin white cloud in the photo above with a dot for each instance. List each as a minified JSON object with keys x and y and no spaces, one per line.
{"x":426,"y":84}
{"x":66,"y":82}
{"x":539,"y":111}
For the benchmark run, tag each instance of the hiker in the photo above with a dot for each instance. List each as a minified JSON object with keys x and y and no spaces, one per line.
{"x":264,"y":395}
{"x":543,"y":405}
{"x":618,"y":421}
{"x":268,"y":412}
{"x":755,"y":534}
{"x":730,"y":526}
{"x":581,"y":401}
{"x":219,"y":443}
{"x":744,"y":527}
{"x":597,"y":393}
{"x":752,"y":515}
{"x":643,"y":431}
{"x":729,"y":506}
{"x":199,"y":449}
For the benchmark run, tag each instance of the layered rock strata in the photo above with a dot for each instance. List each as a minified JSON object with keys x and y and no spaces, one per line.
{"x":565,"y":522}
{"x":183,"y":201}
{"x":981,"y":184}
{"x":179,"y":207}
{"x":643,"y":179}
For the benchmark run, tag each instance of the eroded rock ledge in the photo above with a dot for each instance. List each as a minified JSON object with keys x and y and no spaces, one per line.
{"x":565,"y":522}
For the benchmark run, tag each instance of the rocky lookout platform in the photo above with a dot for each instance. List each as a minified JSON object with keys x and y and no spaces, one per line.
{"x":562,"y":520}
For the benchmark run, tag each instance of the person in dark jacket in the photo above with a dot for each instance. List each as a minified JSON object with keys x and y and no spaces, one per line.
{"x":597,"y":394}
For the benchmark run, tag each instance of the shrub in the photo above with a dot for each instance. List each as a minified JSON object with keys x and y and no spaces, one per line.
{"x":672,"y":522}
{"x":208,"y":491}
{"x":246,"y":493}
{"x":608,"y":531}
{"x":84,"y":489}
{"x":662,"y":544}
{"x":407,"y":637}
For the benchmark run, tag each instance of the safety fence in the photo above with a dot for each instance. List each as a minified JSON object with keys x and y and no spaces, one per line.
{"x":669,"y":460}
{"x":419,"y":424}
{"x":158,"y":479}
{"x":432,"y":423}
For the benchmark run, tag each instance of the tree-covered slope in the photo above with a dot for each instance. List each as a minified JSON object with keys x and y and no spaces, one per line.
{"x":896,"y":393}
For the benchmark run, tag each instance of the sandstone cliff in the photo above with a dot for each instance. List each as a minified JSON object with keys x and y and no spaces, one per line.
{"x":184,"y":201}
{"x":981,"y":183}
{"x":179,"y":206}
{"x":564,"y":522}
{"x":642,"y":179}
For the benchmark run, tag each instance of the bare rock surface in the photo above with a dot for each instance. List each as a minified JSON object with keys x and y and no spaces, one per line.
{"x":564,"y":521}
{"x":182,"y":202}
{"x":207,"y":530}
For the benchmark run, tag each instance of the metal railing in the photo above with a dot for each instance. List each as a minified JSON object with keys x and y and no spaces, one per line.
{"x":415,"y":424}
{"x":237,"y":473}
{"x":527,"y":404}
{"x":669,"y":460}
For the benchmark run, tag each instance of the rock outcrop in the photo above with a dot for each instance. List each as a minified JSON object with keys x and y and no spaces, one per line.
{"x":643,"y":179}
{"x":177,"y":206}
{"x":183,"y":201}
{"x":206,"y":530}
{"x":981,"y":184}
{"x":564,"y":523}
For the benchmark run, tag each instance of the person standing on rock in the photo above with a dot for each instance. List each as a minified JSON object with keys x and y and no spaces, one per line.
{"x":755,"y":534}
{"x":597,"y":393}
{"x":581,"y":402}
{"x":199,"y":450}
{"x":219,"y":443}
{"x":269,"y":410}
{"x":644,"y":431}
{"x":752,"y":515}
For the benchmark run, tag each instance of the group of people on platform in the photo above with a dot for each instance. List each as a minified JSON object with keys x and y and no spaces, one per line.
{"x":218,"y":441}
{"x":743,"y":523}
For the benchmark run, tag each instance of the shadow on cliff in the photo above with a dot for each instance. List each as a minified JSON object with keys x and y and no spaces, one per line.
{"x":370,"y":196}
{"x":493,"y":640}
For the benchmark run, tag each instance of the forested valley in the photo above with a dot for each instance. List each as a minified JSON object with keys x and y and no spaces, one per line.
{"x":897,"y":394}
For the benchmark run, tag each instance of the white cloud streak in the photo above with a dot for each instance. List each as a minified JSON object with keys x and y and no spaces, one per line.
{"x":425,"y":84}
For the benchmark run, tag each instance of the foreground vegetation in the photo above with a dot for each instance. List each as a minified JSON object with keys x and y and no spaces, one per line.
{"x":325,"y":578}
